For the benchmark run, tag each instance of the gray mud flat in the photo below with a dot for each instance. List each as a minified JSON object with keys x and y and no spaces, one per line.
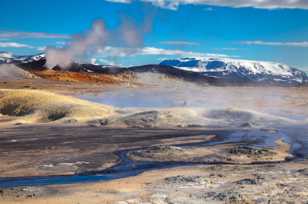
{"x":67,"y":150}
{"x":41,"y":155}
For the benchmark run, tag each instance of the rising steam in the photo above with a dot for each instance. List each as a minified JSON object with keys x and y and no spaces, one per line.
{"x":95,"y":40}
{"x":96,"y":37}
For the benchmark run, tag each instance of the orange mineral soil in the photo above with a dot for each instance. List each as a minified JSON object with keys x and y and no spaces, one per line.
{"x":81,"y":77}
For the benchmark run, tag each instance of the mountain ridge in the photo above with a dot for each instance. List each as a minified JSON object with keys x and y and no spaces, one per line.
{"x":242,"y":70}
{"x":210,"y":70}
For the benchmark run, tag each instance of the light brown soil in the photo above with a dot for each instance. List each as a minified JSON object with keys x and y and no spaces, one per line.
{"x":281,"y":183}
{"x":82,"y":77}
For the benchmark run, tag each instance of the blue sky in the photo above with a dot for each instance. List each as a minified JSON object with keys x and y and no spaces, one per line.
{"x":269,"y":31}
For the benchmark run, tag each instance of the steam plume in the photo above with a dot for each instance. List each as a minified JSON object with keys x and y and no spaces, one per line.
{"x":95,"y":40}
{"x":96,"y":37}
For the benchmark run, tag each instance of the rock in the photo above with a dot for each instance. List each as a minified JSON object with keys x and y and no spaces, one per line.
{"x":164,"y":148}
{"x":159,"y":199}
{"x":194,"y":126}
{"x":216,"y":175}
{"x":246,"y":182}
{"x":146,"y":119}
{"x":246,"y":150}
{"x":98,"y":123}
{"x":158,"y":151}
{"x":209,"y":194}
{"x":230,"y":197}
{"x":70,"y":121}
{"x":57,"y":68}
{"x":26,"y":192}
{"x":303,"y":171}
{"x":185,"y":180}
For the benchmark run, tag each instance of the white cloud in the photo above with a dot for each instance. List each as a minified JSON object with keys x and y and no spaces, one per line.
{"x":14,"y":45}
{"x":160,"y":51}
{"x":180,"y":43}
{"x":20,"y":45}
{"x":103,"y":61}
{"x":268,"y":43}
{"x":33,"y":35}
{"x":264,"y":4}
{"x":125,"y":52}
{"x":43,"y":48}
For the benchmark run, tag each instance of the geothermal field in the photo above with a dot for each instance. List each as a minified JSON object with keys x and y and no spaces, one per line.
{"x":154,"y":102}
{"x":151,"y":139}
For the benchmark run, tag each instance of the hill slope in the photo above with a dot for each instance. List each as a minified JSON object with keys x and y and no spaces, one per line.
{"x":234,"y":70}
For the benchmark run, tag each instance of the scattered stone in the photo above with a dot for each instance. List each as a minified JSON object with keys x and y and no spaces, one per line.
{"x":247,"y":150}
{"x":246,"y":182}
{"x":216,"y":175}
{"x":99,"y":123}
{"x":210,"y":194}
{"x":159,"y":199}
{"x":144,"y":119}
{"x":26,"y":192}
{"x":230,"y":197}
{"x":70,"y":121}
{"x":194,"y":126}
{"x":158,"y":150}
{"x":303,"y":171}
{"x":164,"y":148}
{"x":185,"y":180}
{"x":262,"y":200}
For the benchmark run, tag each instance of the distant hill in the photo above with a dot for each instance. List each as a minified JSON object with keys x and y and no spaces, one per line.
{"x":211,"y":70}
{"x":234,"y":70}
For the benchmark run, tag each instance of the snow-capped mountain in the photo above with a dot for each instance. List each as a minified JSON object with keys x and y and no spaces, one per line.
{"x":30,"y":62}
{"x":210,"y":70}
{"x":5,"y":57}
{"x":240,"y":70}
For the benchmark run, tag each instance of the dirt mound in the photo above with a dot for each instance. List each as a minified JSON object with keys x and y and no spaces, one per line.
{"x":12,"y":72}
{"x":221,"y":153}
{"x":196,"y":117}
{"x":41,"y":106}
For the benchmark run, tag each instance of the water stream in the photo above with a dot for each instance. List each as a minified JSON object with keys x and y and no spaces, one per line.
{"x":128,"y":167}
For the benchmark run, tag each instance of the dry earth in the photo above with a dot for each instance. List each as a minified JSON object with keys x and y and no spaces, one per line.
{"x":44,"y":133}
{"x":281,"y":183}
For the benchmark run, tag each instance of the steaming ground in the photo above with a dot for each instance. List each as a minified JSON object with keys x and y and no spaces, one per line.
{"x":32,"y":106}
{"x":198,"y":103}
{"x":246,"y":138}
{"x":162,"y":102}
{"x":230,"y":129}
